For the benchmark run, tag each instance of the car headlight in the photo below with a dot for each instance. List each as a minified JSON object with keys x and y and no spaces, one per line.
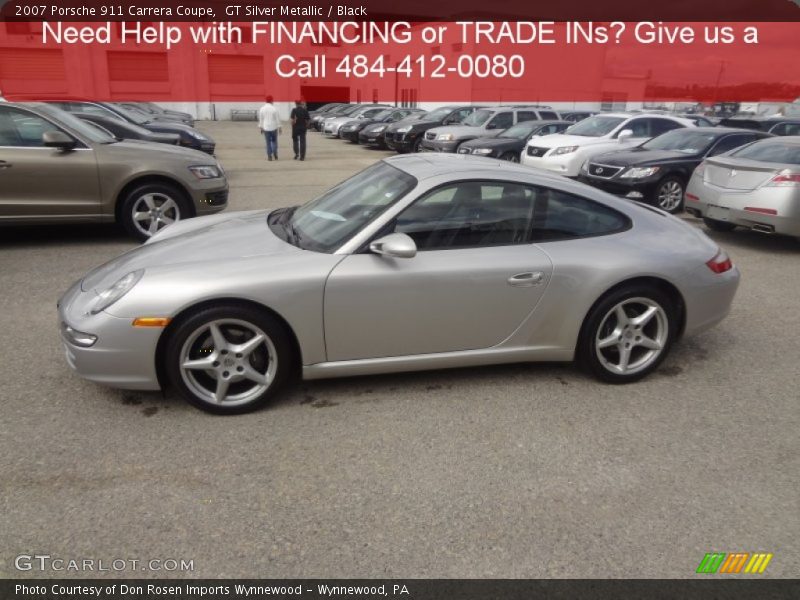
{"x":445,"y":137}
{"x":205,"y":171}
{"x":380,"y":128}
{"x":110,"y":295}
{"x":197,"y":135}
{"x":564,"y":150}
{"x":639,"y":172}
{"x":405,"y":129}
{"x":483,"y":151}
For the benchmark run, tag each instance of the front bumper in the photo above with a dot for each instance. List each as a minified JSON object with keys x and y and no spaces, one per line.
{"x":568,"y":165}
{"x":737,"y":207}
{"x":402,"y":142}
{"x":350,"y":136}
{"x":372,"y":138}
{"x":439,"y":146}
{"x":209,"y":196}
{"x":122,"y":356}
{"x":641,"y":190}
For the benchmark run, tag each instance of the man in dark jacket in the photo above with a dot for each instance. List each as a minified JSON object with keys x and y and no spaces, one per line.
{"x":300,"y":119}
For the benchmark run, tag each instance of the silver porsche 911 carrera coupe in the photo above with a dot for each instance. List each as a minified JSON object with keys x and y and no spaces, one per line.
{"x":417,"y":262}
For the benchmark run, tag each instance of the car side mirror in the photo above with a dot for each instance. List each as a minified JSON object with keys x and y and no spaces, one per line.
{"x":394,"y":245}
{"x":58,"y":139}
{"x":625,"y":135}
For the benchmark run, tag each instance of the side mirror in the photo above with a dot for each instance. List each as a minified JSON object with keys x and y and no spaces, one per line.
{"x":625,"y":135}
{"x":395,"y":245}
{"x":58,"y":139}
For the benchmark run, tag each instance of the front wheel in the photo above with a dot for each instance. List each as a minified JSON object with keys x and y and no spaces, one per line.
{"x":149,"y":208}
{"x":628,"y":334}
{"x":715,"y":225}
{"x":229,"y":359}
{"x":669,"y":195}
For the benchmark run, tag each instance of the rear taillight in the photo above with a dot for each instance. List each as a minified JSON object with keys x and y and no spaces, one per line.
{"x":692,"y":197}
{"x":784,"y":179}
{"x":720,"y":263}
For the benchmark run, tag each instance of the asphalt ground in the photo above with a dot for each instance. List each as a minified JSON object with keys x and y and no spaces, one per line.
{"x":503,"y":472}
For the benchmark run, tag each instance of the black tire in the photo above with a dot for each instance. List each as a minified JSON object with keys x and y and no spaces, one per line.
{"x":602,"y":315}
{"x":192,"y":340}
{"x":417,"y":147}
{"x":721,"y":226}
{"x":135,"y":200}
{"x":510,"y":157}
{"x":661,"y":198}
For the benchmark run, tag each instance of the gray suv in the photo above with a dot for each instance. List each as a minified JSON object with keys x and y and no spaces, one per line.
{"x":484,"y":122}
{"x":56,"y":168}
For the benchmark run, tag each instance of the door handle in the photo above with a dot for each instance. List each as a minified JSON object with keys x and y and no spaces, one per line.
{"x":5,"y":165}
{"x":528,"y":279}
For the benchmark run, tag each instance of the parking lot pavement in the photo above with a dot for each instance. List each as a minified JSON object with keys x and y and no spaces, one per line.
{"x":512,"y":471}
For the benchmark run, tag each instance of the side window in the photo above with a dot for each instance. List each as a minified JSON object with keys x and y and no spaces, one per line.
{"x":786,"y":129}
{"x":20,"y":128}
{"x":502,"y":120}
{"x":469,"y":214}
{"x":639,"y":127}
{"x":526,"y":115}
{"x":562,"y":216}
{"x":93,"y":109}
{"x":660,"y":126}
{"x":729,"y":142}
{"x":548,"y":115}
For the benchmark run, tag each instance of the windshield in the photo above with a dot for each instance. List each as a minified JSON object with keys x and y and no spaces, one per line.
{"x":79,"y":126}
{"x":771,"y":152}
{"x":326,"y":223}
{"x":439,"y":113}
{"x":519,"y":131}
{"x":682,"y":140}
{"x":155,"y":108}
{"x":596,"y":126}
{"x":135,"y":115}
{"x":478,"y":118}
{"x":383,"y":114}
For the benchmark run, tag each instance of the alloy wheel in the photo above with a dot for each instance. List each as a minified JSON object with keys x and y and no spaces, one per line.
{"x":228,"y":362}
{"x":670,"y":195}
{"x":632,"y":336}
{"x":153,"y":211}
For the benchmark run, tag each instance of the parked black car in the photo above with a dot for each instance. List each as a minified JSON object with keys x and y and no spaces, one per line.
{"x":657,"y":171}
{"x":407,"y":137}
{"x":123,"y":130}
{"x":159,"y":114}
{"x":773,"y":125}
{"x":373,"y":135}
{"x":351,"y":131}
{"x":509,"y":144}
{"x":189,"y":136}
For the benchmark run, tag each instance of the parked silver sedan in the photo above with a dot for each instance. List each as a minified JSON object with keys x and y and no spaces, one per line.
{"x":756,"y":186}
{"x":417,"y":262}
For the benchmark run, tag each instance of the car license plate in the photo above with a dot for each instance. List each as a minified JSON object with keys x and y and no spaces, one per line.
{"x":718,"y":213}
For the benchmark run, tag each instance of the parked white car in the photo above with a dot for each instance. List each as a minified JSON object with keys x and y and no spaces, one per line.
{"x":565,"y":153}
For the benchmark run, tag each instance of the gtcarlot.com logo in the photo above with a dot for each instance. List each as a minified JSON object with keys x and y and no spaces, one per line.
{"x":735,"y":562}
{"x":46,"y":562}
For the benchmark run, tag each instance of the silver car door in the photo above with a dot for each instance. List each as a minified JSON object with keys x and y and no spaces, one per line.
{"x":474,"y":280}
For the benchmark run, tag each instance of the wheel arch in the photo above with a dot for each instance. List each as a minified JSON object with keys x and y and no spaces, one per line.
{"x":148,"y":179}
{"x":660,"y":283}
{"x":187,"y":311}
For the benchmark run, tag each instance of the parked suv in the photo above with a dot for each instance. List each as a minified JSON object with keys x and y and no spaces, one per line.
{"x":55,"y":167}
{"x":484,"y":122}
{"x":407,"y":137}
{"x":773,"y":125}
{"x":565,"y":153}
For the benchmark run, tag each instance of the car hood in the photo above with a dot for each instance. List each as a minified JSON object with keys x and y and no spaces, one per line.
{"x":418,"y":124}
{"x":210,"y":239}
{"x":557,"y":140}
{"x":460,"y":130}
{"x":174,"y":127}
{"x":169,"y":152}
{"x":640,"y":156}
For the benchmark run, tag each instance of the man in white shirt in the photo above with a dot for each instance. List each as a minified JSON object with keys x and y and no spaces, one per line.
{"x":269,"y":123}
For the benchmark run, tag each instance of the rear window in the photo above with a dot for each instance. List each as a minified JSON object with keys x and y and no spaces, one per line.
{"x":771,"y":151}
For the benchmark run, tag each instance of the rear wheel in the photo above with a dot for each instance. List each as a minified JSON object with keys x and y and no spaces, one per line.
{"x":229,"y":359}
{"x":668,"y":195}
{"x":628,"y":333}
{"x":149,"y":208}
{"x":510,"y":157}
{"x":715,"y":225}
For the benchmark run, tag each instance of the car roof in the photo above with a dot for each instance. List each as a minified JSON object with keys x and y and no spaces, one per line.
{"x":432,"y":164}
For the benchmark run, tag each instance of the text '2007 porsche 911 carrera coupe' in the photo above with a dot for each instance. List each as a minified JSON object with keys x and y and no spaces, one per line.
{"x":417,"y":262}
